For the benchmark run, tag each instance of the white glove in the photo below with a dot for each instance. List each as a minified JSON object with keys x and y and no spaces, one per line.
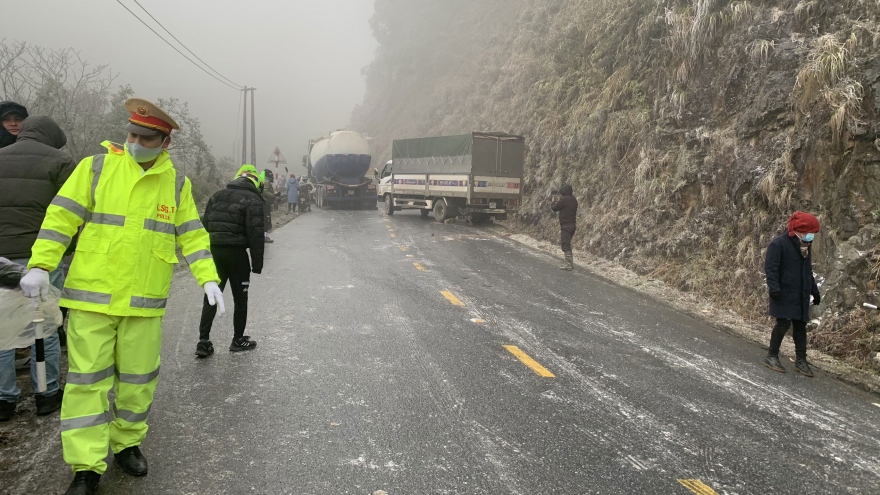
{"x":35,"y":281}
{"x":215,"y":295}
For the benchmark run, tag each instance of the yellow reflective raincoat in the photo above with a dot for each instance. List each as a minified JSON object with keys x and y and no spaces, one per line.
{"x":126,"y":251}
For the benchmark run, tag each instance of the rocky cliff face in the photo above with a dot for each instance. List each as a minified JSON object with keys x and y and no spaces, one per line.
{"x":690,"y":129}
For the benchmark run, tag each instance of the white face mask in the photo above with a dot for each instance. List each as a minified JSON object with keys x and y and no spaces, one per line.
{"x":142,"y":154}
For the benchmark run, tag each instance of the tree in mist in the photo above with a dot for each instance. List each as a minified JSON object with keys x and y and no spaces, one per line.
{"x":190,"y":153}
{"x":58,"y":83}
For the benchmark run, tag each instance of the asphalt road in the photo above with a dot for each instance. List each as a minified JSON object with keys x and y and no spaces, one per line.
{"x":386,"y":364}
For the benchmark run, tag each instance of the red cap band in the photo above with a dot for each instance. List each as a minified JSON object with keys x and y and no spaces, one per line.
{"x":150,"y":123}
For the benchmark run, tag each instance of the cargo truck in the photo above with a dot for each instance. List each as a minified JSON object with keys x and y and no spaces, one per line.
{"x":476,"y":176}
{"x":337,"y":165}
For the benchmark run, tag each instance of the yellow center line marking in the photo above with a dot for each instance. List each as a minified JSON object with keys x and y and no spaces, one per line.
{"x":409,"y":256}
{"x":393,"y":235}
{"x":419,"y":266}
{"x":451,"y":298}
{"x":528,"y":361}
{"x":477,"y":320}
{"x":402,"y":248}
{"x":698,"y":487}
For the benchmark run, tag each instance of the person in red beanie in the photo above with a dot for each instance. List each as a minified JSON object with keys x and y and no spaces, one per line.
{"x":790,"y":282}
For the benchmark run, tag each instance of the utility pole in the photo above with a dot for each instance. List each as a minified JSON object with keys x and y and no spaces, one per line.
{"x":244,"y":128}
{"x":253,"y":131}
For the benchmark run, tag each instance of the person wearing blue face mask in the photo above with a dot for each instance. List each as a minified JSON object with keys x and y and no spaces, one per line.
{"x":135,"y":209}
{"x":790,"y":283}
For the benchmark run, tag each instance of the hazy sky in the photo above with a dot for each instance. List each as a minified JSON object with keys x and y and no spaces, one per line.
{"x":303,"y":56}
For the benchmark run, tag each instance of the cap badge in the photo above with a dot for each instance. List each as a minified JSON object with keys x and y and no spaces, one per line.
{"x":142,"y":110}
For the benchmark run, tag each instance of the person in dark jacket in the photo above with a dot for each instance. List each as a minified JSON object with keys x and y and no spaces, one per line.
{"x":567,"y":207}
{"x":234,"y":219}
{"x":790,"y":283}
{"x":32,"y":172}
{"x":12,"y":116}
{"x":267,"y":179}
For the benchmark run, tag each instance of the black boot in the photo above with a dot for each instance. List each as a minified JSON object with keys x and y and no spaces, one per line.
{"x":84,"y":483}
{"x":801,"y":366}
{"x":772,"y":362}
{"x":204,"y":348}
{"x":7,"y":410}
{"x":49,"y":404}
{"x":568,"y":265}
{"x":132,"y":461}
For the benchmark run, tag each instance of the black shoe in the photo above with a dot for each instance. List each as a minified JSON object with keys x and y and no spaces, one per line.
{"x":132,"y":461}
{"x":801,"y":366}
{"x":7,"y":410}
{"x":49,"y":404}
{"x":242,"y":344}
{"x":269,"y":241}
{"x":773,"y":363}
{"x":204,"y":348}
{"x":84,"y":483}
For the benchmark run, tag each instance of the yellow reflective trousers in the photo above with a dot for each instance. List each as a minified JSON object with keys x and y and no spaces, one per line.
{"x":107,"y":351}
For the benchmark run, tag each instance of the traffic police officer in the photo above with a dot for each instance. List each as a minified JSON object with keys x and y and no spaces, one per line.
{"x":134,"y":205}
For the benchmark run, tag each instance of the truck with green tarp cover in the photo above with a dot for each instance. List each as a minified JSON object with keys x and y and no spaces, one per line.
{"x":477,"y":176}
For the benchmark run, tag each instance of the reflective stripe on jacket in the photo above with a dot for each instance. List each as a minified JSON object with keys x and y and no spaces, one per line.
{"x":125,"y":256}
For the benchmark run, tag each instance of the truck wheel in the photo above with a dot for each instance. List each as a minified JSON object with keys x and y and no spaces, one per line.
{"x":440,"y":210}
{"x":424,"y":212}
{"x":389,"y":204}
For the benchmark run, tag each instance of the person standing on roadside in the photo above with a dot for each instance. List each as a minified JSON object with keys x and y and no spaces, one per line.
{"x":292,"y":193}
{"x":12,"y":116}
{"x":234,"y":220}
{"x":567,"y":207}
{"x":32,"y":171}
{"x":790,"y":283}
{"x":136,"y":209}
{"x":267,"y":179}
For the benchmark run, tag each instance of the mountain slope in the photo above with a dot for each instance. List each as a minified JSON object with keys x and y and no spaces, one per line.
{"x":690,"y":129}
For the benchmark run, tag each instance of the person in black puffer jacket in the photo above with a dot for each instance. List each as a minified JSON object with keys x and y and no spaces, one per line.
{"x":567,"y":207}
{"x":234,"y":219}
{"x":32,"y":172}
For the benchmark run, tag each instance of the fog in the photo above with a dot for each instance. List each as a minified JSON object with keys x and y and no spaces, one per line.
{"x":303,"y":56}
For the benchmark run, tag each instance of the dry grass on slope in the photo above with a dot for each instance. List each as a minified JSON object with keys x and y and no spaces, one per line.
{"x":690,"y":129}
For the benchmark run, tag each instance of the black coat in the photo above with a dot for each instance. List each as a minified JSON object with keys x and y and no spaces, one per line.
{"x":31,"y":172}
{"x":790,"y":275}
{"x":567,"y":206}
{"x":234,"y":218}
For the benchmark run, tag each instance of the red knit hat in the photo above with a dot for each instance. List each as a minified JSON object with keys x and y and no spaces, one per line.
{"x":802,"y":222}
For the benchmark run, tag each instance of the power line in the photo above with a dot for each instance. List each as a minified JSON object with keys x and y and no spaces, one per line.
{"x":175,"y":48}
{"x":184,"y":46}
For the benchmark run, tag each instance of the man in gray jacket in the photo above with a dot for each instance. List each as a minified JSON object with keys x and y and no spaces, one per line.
{"x":32,"y":170}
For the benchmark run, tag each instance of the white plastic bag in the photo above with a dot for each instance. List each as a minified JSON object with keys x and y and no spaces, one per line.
{"x":17,"y":317}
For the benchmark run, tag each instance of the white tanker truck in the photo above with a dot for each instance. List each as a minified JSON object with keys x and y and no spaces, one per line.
{"x":337,"y":165}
